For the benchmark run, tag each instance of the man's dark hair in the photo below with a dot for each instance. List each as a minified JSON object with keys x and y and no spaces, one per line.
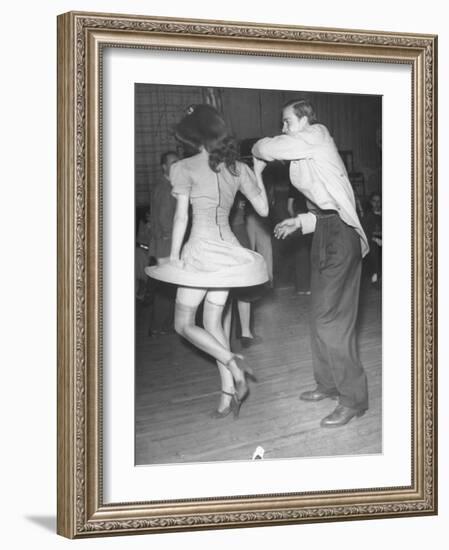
{"x":302,"y":107}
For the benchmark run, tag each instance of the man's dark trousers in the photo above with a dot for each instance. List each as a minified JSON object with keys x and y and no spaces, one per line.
{"x":335,"y":284}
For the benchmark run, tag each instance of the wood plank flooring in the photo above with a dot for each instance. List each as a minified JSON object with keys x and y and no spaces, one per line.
{"x":177,"y":389}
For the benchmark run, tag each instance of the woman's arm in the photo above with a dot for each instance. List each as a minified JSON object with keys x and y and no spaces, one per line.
{"x":260,"y":201}
{"x":179,"y":225}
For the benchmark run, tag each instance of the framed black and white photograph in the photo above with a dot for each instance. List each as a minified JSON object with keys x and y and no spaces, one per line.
{"x":180,"y":398}
{"x":246,"y":274}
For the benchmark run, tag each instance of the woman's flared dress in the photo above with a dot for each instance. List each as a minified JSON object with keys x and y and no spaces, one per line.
{"x":212,"y":257}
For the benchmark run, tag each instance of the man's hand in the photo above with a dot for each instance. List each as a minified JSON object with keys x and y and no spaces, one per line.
{"x":285,"y":228}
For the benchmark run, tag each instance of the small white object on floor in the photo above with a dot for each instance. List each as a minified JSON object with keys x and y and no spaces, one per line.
{"x":258,"y":453}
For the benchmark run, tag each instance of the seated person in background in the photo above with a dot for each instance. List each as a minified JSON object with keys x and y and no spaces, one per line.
{"x":372,"y":223}
{"x":163,"y":206}
{"x":142,"y":255}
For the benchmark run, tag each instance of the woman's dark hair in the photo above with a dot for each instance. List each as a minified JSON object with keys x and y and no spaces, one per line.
{"x":165,"y":156}
{"x":203,"y":126}
{"x":302,"y":107}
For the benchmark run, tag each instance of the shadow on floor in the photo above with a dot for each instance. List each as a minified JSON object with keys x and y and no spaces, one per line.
{"x":46,"y":522}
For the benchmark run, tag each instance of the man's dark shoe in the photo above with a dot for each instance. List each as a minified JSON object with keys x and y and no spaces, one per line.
{"x":316,"y":395}
{"x":340,"y":416}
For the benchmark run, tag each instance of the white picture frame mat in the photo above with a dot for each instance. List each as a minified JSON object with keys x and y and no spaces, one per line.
{"x":123,"y":481}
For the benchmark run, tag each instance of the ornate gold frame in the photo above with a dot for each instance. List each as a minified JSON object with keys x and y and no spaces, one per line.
{"x":81,"y":37}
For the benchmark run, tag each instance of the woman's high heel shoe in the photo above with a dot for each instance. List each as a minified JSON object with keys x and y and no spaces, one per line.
{"x":232,"y":407}
{"x":242,"y":391}
{"x":244,"y":367}
{"x":241,"y":386}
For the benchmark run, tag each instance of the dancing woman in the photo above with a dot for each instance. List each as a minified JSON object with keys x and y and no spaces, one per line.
{"x":212,"y":261}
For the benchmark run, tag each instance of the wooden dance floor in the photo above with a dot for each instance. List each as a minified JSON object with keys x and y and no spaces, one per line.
{"x":177,"y":389}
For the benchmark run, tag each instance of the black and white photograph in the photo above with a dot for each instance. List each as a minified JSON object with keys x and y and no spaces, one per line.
{"x":258,"y":274}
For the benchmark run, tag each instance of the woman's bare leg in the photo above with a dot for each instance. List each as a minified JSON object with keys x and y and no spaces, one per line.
{"x":187,"y":302}
{"x":211,"y":339}
{"x":227,"y":321}
{"x":245,"y":317}
{"x":217,"y":321}
{"x":213,"y":323}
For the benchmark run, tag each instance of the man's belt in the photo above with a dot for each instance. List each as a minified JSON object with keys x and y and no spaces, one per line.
{"x":324,"y":213}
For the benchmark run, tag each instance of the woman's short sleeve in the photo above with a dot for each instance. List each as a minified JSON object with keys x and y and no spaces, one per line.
{"x":248,"y":184}
{"x":180,"y":179}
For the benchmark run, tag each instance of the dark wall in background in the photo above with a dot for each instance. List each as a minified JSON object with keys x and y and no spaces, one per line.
{"x":353,"y":120}
{"x":157,"y":109}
